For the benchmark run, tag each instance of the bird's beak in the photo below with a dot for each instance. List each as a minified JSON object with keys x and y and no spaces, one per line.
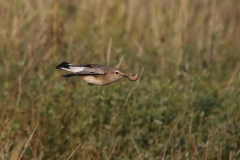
{"x":125,"y":76}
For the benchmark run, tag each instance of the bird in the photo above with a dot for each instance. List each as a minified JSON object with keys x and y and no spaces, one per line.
{"x":96,"y":74}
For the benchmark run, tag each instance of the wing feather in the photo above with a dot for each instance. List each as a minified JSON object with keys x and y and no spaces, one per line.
{"x":91,"y":71}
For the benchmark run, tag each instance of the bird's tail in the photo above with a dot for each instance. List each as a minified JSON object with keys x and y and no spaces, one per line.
{"x":63,"y":65}
{"x":75,"y":69}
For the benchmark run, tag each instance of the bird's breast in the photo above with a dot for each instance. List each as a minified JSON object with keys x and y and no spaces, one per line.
{"x":94,"y":79}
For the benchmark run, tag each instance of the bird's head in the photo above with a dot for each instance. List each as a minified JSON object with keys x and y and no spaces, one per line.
{"x":118,"y":74}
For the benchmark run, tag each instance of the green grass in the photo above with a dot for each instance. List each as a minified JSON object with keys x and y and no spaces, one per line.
{"x":185,"y":105}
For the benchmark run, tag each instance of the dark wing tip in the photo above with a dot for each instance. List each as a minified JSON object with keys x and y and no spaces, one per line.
{"x":62,"y":65}
{"x":69,"y":75}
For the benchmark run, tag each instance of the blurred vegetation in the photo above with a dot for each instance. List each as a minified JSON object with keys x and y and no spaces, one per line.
{"x":186,"y":104}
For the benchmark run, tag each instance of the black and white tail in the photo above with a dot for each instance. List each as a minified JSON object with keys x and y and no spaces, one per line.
{"x":63,"y":65}
{"x":69,"y":67}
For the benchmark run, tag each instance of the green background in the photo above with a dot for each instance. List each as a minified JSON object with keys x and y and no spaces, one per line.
{"x":186,"y":104}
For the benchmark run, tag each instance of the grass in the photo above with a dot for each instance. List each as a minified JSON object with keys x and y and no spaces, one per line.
{"x":185,"y":105}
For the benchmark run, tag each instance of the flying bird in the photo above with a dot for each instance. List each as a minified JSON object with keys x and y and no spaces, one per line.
{"x":96,"y":74}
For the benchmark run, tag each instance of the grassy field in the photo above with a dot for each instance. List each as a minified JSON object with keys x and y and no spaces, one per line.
{"x":186,"y":104}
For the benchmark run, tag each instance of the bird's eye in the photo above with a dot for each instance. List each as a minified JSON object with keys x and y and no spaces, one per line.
{"x":117,"y":73}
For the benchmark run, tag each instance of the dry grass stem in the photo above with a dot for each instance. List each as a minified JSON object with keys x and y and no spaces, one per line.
{"x":135,"y":145}
{"x":190,"y":125}
{"x":207,"y":143}
{"x":19,"y":90}
{"x":120,"y":62}
{"x":28,"y":142}
{"x":206,"y":152}
{"x":112,"y":151}
{"x":169,"y":138}
{"x":233,"y":75}
{"x":133,"y":88}
{"x":238,"y":152}
{"x":109,"y":51}
{"x":73,"y":152}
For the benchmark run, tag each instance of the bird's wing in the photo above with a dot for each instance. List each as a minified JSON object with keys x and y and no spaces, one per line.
{"x":91,"y":71}
{"x":88,"y":69}
{"x":92,"y":66}
{"x":80,"y":70}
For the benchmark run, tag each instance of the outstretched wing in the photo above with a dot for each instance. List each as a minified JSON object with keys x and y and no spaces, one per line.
{"x":86,"y":71}
{"x":90,"y":71}
{"x":80,"y":70}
